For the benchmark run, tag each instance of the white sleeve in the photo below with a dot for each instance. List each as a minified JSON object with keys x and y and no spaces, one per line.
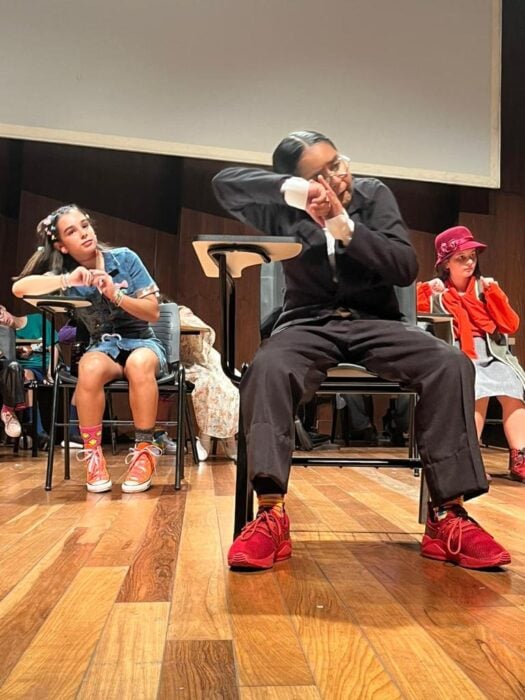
{"x":341,"y":227}
{"x":295,"y":192}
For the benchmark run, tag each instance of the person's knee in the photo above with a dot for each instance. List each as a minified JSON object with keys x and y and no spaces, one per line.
{"x":93,"y":371}
{"x":141,"y":366}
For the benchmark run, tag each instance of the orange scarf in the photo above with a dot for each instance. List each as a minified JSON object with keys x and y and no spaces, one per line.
{"x":469,"y":313}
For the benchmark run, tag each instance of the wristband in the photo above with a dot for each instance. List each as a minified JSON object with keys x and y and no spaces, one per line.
{"x":117,"y":299}
{"x":64,"y":281}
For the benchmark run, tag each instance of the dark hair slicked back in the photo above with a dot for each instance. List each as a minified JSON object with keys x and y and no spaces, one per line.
{"x":287,"y":155}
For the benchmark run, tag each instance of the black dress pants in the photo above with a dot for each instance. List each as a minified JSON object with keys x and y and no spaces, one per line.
{"x":12,"y":383}
{"x":289,"y":367}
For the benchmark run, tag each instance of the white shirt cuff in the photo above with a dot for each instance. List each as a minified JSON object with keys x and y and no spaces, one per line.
{"x":295,"y":192}
{"x":341,"y":227}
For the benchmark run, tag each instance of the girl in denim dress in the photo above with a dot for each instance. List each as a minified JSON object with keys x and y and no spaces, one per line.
{"x":124,"y":301}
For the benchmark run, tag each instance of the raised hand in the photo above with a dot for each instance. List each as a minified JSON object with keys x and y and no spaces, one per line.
{"x":486,"y":282}
{"x":322,"y":202}
{"x":436,"y":285}
{"x":104,"y":283}
{"x":80,"y":277}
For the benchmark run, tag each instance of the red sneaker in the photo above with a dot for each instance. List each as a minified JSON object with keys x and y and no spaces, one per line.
{"x":517,"y":465}
{"x":97,"y":477}
{"x":458,"y":538}
{"x":262,"y":542}
{"x":142,"y":461}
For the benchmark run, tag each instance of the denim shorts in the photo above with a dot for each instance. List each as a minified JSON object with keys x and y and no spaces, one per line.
{"x":114,"y":345}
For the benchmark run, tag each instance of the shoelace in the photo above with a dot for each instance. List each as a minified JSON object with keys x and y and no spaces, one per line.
{"x":133,"y":459}
{"x":265,"y":522}
{"x":93,"y":457}
{"x":455,"y":527}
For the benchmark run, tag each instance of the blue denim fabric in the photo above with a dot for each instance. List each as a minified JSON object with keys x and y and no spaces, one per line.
{"x":103,"y":317}
{"x":112,"y":345}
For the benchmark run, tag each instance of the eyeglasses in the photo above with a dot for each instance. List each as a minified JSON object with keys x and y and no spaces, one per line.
{"x":465,"y":258}
{"x":339,"y":168}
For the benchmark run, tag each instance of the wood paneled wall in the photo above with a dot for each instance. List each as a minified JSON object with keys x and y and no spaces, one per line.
{"x":157,"y":204}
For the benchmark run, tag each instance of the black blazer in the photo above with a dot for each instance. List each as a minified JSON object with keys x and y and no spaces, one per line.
{"x":378,"y":257}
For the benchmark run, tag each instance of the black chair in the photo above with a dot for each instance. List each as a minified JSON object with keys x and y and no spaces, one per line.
{"x":167,"y":329}
{"x":225,"y":257}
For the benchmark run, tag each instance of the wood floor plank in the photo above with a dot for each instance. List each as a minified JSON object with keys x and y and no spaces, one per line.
{"x":303,"y":692}
{"x":150,"y":576}
{"x":356,"y":613}
{"x":23,"y":611}
{"x":19,"y":558}
{"x":419,"y":665}
{"x":198,"y":670}
{"x":267,"y":649}
{"x":465,"y":640}
{"x":342,"y":661}
{"x":224,"y":479}
{"x":479,"y":649}
{"x":329,"y":517}
{"x":118,"y":546}
{"x":199,"y":609}
{"x":8,"y":511}
{"x":128,"y":659}
{"x":55,"y":662}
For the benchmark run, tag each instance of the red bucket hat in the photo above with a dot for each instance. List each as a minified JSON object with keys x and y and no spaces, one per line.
{"x":454,"y":240}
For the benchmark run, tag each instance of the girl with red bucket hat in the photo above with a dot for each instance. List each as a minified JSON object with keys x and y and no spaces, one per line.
{"x":482,"y":316}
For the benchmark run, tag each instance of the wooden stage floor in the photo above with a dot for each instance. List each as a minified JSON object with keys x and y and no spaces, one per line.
{"x":128,"y":596}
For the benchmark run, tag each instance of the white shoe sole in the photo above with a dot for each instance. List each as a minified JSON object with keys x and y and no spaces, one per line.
{"x":136,"y":488}
{"x":72,"y":445}
{"x":12,"y":429}
{"x":99,"y":488}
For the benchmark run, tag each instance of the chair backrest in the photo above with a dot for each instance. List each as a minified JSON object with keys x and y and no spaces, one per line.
{"x":7,"y":343}
{"x":167,"y":330}
{"x":406,"y":298}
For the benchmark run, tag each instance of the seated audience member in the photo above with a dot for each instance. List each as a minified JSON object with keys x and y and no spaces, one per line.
{"x":13,"y":395}
{"x":340,"y":306}
{"x":124,"y":302}
{"x":32,"y":358}
{"x":481,"y":316}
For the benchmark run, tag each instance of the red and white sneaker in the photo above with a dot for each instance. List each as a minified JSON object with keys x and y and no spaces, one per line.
{"x":142,"y":461}
{"x":12,"y":425}
{"x":516,"y":464}
{"x":262,"y":542}
{"x":456,"y":537}
{"x":97,"y":477}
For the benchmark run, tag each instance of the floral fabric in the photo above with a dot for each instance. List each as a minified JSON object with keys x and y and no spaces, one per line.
{"x":215,"y":398}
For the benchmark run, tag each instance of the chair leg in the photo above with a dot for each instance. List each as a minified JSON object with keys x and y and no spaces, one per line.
{"x":34,"y":414}
{"x":423,"y":499}
{"x":52,"y":434}
{"x":243,"y":490}
{"x":412,"y":445}
{"x":302,"y":436}
{"x":65,"y":406}
{"x":181,"y":407}
{"x":190,"y":425}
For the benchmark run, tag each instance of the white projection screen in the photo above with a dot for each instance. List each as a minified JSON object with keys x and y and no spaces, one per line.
{"x":407,"y":88}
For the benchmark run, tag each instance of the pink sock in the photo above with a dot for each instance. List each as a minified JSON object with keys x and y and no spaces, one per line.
{"x":92,"y":436}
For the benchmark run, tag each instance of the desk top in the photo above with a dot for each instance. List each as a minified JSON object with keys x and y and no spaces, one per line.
{"x":56,"y":302}
{"x":434,"y":317}
{"x":186,"y":329}
{"x":243,"y":251}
